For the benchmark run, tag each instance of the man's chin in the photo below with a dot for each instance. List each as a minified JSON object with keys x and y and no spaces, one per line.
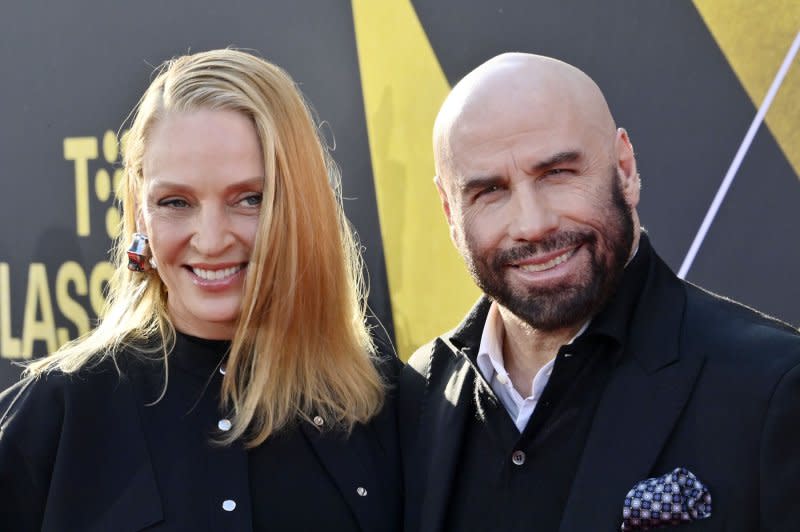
{"x":545,"y":318}
{"x":550,"y":308}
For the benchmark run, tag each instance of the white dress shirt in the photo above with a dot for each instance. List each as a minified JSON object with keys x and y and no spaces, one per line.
{"x":492,"y":367}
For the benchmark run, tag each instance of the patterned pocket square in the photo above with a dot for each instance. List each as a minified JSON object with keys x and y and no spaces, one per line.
{"x":671,"y":499}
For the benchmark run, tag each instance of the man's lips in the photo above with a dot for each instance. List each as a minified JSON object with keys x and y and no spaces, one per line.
{"x":546,"y":261}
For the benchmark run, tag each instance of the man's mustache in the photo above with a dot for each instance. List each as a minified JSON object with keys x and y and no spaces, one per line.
{"x":550,"y":243}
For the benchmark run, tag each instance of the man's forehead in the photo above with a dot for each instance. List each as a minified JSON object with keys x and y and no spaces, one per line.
{"x":515,"y":93}
{"x":523,"y":138}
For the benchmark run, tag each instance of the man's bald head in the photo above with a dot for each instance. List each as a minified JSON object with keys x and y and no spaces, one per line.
{"x":517,"y":89}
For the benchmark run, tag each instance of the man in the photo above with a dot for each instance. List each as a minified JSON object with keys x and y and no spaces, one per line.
{"x":588,"y":369}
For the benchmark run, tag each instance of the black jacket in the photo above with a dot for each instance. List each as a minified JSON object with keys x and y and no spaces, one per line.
{"x":88,"y":452}
{"x":703,"y":383}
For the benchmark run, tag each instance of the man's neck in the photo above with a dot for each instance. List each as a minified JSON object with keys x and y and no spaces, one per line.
{"x":527,"y":349}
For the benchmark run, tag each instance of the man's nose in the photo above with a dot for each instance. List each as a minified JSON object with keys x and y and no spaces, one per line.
{"x":532,"y":216}
{"x":212,"y":234}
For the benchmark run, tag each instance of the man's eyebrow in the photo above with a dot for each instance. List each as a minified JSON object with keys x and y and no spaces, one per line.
{"x":569,"y":156}
{"x":470,"y":184}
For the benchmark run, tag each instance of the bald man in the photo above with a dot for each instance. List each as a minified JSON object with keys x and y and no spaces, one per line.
{"x":589,"y":389}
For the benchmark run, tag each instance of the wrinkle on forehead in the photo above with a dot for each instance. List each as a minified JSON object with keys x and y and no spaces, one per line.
{"x":512,"y":92}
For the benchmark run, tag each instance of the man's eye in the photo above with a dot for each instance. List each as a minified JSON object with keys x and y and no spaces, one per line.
{"x":487,"y":190}
{"x":558,"y":171}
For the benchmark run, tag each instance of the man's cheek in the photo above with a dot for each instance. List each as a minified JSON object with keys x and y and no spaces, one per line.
{"x":466,"y":231}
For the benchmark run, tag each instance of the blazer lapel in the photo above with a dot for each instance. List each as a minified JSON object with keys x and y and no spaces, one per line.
{"x":343,"y":458}
{"x":632,"y":423}
{"x":446,"y":416}
{"x":639,"y":408}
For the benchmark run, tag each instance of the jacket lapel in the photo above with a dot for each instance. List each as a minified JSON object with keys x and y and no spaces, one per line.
{"x":343,"y":458}
{"x":632,"y":423}
{"x":639,"y":408}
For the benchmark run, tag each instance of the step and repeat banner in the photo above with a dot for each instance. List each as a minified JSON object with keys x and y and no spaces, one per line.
{"x":685,"y":78}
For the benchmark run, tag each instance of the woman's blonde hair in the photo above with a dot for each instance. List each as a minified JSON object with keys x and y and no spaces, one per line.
{"x":301,"y":348}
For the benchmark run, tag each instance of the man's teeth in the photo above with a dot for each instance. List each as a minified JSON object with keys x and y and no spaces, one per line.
{"x":213,"y":275}
{"x":547,"y":265}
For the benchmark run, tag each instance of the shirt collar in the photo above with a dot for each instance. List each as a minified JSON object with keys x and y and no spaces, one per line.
{"x":490,"y":353}
{"x":198,"y":355}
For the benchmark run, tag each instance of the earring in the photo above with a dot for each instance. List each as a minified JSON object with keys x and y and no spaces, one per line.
{"x":139,"y":254}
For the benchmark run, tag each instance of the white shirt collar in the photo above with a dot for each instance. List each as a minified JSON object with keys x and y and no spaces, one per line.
{"x":490,"y":353}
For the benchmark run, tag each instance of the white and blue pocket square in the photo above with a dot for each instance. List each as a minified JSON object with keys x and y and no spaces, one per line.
{"x":672,"y":499}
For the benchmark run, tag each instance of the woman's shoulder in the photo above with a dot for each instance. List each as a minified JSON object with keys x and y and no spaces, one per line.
{"x":61,"y":435}
{"x":49,"y":385}
{"x":49,"y":391}
{"x":37,"y":412}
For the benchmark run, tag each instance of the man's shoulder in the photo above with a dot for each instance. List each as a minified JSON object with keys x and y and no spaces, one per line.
{"x":431,"y":365}
{"x":447,"y":345}
{"x":721,"y":315}
{"x":420,"y":359}
{"x":424,"y":358}
{"x":727,"y":328}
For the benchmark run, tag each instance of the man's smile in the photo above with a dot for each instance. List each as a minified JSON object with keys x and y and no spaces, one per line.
{"x":540,"y":264}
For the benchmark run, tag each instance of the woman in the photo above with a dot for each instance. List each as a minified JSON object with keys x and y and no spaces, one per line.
{"x":231,"y":384}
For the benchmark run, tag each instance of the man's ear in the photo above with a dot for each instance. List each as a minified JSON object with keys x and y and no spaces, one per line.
{"x":446,"y":207}
{"x":626,"y":167}
{"x":444,"y":199}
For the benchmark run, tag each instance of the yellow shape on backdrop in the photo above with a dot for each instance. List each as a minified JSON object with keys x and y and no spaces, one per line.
{"x":754,"y":37}
{"x":403,"y":86}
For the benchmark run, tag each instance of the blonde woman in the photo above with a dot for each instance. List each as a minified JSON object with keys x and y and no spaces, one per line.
{"x":232,"y":384}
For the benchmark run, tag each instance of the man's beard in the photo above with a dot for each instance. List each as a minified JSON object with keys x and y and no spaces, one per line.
{"x":564,"y":304}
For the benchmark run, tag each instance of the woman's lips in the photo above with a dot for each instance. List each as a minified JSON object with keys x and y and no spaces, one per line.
{"x":219,"y":278}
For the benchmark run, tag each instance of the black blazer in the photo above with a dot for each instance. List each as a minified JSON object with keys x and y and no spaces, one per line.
{"x":704,"y":383}
{"x":84,"y":452}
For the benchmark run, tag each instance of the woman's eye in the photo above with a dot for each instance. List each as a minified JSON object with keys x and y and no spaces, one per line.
{"x":177,"y":203}
{"x":253,"y":200}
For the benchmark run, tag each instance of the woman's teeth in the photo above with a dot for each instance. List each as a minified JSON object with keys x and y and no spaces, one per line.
{"x":214,"y":275}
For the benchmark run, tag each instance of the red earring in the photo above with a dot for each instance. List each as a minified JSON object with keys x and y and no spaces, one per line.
{"x":139,"y":254}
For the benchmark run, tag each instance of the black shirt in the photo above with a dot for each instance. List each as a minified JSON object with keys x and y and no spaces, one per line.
{"x":283,"y":468}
